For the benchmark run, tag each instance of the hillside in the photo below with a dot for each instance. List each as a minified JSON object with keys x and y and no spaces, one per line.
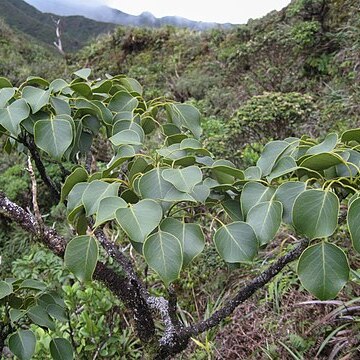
{"x":21,"y":56}
{"x":311,"y":49}
{"x":77,"y":30}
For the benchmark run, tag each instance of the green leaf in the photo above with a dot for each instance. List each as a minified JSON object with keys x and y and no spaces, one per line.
{"x":107,"y":209}
{"x":57,"y":312}
{"x":32,"y":284}
{"x":36,"y":80}
{"x":139,"y":220}
{"x":5,"y":95}
{"x":351,"y":168}
{"x":163,"y":253}
{"x":96,"y":191}
{"x":233,"y":209}
{"x":200,"y":193}
{"x":253,"y":173}
{"x":81,"y":256}
{"x":271,"y":153}
{"x":284,"y":166}
{"x":225,"y":170}
{"x":190,"y":236}
{"x":126,"y":137}
{"x":265,"y":219}
{"x":75,"y":196}
{"x":16,"y":314}
{"x":22,"y":344}
{"x":57,"y":85}
{"x":13,"y":115}
{"x":60,"y":106}
{"x":172,"y":152}
{"x":77,"y":176}
{"x":83,"y":73}
{"x":321,"y":161}
{"x":236,"y":242}
{"x":353,"y":221}
{"x":123,"y":101}
{"x":82,"y":89}
{"x":124,"y":153}
{"x":138,"y":166}
{"x":315,"y":213}
{"x":153,"y":186}
{"x":35,"y":97}
{"x":185,"y":115}
{"x":61,"y":349}
{"x":286,"y":193}
{"x":53,"y":136}
{"x":254,"y":193}
{"x":351,"y":135}
{"x":5,"y":83}
{"x":39,"y":316}
{"x":327,"y":145}
{"x":323,"y":270}
{"x":183,"y":179}
{"x":5,"y":289}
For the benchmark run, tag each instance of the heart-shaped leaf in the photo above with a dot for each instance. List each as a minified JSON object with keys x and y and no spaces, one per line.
{"x":139,"y":220}
{"x":265,"y":219}
{"x":5,"y":289}
{"x":190,"y":236}
{"x":236,"y":242}
{"x":13,"y":115}
{"x":254,"y":193}
{"x":22,"y":344}
{"x":323,"y":270}
{"x":107,"y":209}
{"x":269,"y":156}
{"x":54,"y":136}
{"x":315,"y":213}
{"x":163,"y":253}
{"x":185,"y":115}
{"x":5,"y":95}
{"x":123,"y":101}
{"x":35,"y":97}
{"x":95,"y":192}
{"x":40,"y":316}
{"x":81,"y":256}
{"x":61,"y":349}
{"x":183,"y":179}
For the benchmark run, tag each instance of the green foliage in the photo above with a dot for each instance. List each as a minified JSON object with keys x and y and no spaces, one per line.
{"x":94,"y":314}
{"x":271,"y":115}
{"x":157,"y":193}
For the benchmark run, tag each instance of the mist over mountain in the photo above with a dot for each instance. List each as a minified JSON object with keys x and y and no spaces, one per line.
{"x":100,"y":12}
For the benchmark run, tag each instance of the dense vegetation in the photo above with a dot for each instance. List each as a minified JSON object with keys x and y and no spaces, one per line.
{"x":291,"y":73}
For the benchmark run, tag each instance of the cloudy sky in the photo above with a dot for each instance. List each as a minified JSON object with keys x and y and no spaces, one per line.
{"x":234,"y":11}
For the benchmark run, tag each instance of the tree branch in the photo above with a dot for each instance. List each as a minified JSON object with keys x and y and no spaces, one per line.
{"x":125,"y":289}
{"x":174,"y":346}
{"x":246,"y":292}
{"x":54,"y":190}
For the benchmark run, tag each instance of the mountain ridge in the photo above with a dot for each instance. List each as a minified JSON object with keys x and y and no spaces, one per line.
{"x":77,"y":30}
{"x":105,"y":13}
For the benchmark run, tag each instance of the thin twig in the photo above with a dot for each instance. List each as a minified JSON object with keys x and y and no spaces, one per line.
{"x":39,"y":220}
